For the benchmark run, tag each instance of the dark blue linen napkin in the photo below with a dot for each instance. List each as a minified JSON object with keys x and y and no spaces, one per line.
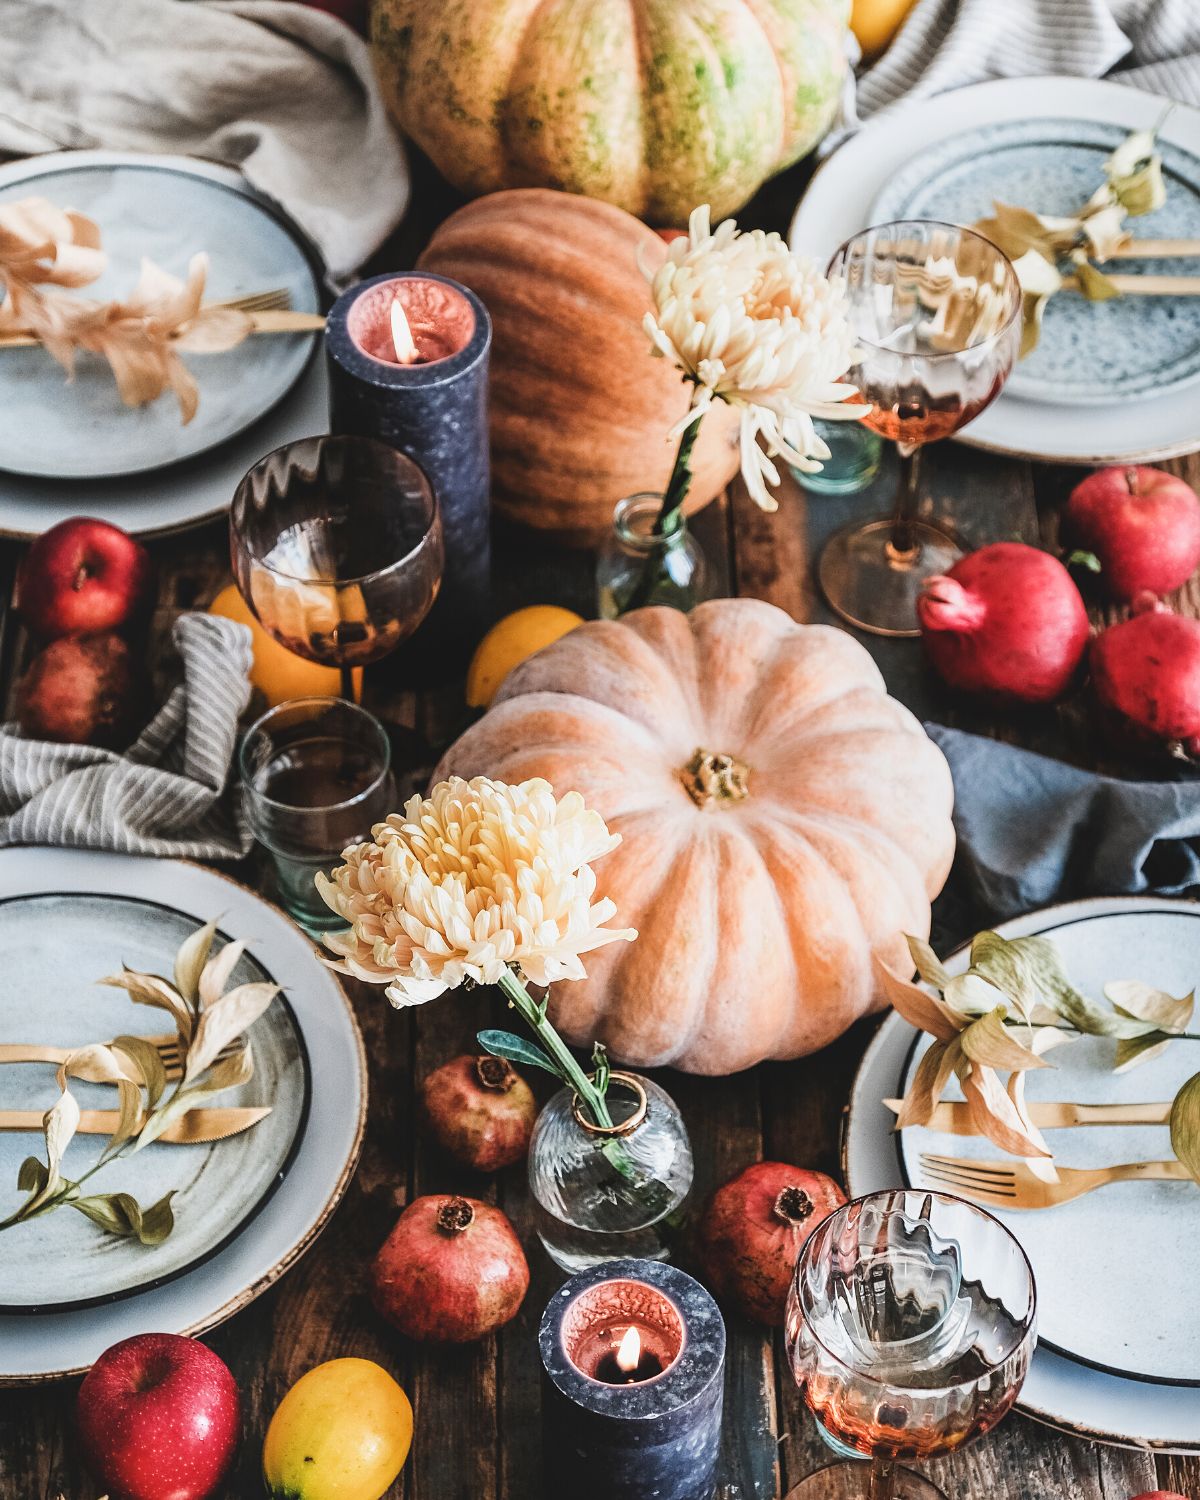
{"x":1032,"y":831}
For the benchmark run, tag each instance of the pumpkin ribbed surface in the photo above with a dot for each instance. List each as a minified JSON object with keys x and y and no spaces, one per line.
{"x":654,"y":105}
{"x":782,"y":819}
{"x":579,"y":407}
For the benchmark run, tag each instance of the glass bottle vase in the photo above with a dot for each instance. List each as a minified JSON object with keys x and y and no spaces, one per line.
{"x":637,"y":566}
{"x":601,"y":1193}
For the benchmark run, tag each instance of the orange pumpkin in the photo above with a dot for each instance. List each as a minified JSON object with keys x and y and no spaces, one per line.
{"x":782,"y":819}
{"x":580,"y":408}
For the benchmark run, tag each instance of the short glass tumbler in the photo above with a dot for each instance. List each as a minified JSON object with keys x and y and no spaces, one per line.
{"x":910,"y":1327}
{"x":636,"y":566}
{"x":604,"y":1194}
{"x":316,"y":775}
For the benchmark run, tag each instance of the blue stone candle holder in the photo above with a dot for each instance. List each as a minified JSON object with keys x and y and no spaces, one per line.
{"x":435,"y":411}
{"x":658,"y":1438}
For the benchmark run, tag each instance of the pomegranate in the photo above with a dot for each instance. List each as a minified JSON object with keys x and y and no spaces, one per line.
{"x":1146,"y":670}
{"x":480,"y":1110}
{"x":1007,"y":622}
{"x":1141,"y":525}
{"x":451,"y":1271}
{"x":1159,"y":1495}
{"x":753,"y":1230}
{"x":82,"y":690}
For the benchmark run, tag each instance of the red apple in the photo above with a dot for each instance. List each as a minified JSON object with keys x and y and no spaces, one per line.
{"x":1142,"y":524}
{"x":83,"y":576}
{"x":158,"y":1418}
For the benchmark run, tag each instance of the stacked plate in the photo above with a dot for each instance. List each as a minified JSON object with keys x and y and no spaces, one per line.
{"x":1118,"y":1356}
{"x":1111,"y":382}
{"x":246,"y":1207}
{"x":72,"y":448}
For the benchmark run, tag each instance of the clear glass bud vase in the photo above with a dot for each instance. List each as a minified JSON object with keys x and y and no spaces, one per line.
{"x":603,"y":1193}
{"x":637,"y":566}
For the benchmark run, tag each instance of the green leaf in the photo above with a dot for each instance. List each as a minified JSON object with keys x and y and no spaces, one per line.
{"x":1087,"y":560}
{"x":516,"y":1049}
{"x":1094,"y":284}
{"x":152,"y":989}
{"x":600,"y":1068}
{"x":121,"y":1214}
{"x":1030,"y":969}
{"x":988,"y":1041}
{"x":1185,"y":1125}
{"x":32,"y":1176}
{"x":928,"y":965}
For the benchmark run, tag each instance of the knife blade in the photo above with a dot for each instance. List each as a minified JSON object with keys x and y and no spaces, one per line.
{"x":192,"y":1129}
{"x":954,"y":1117}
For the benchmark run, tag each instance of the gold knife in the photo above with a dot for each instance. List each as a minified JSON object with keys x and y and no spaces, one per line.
{"x":955,"y":1119}
{"x":197,"y":1126}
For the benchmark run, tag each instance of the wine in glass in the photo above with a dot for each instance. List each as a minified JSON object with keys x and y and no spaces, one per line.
{"x":336,"y":545}
{"x":936,"y":314}
{"x":910,"y":1327}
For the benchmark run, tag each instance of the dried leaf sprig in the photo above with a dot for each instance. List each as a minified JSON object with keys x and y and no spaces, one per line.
{"x":44,"y":249}
{"x":1044,"y":249}
{"x":1011,"y":1006}
{"x":207,"y":1018}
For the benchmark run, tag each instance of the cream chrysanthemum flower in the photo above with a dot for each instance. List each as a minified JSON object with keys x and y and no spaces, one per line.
{"x":472,"y":879}
{"x":754,"y":325}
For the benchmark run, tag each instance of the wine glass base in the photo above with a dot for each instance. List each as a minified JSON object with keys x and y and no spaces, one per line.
{"x":852,"y":1481}
{"x":874,"y":587}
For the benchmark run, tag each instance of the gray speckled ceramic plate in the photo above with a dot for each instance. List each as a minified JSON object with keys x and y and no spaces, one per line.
{"x":1116,"y":1275}
{"x":1089,"y":353}
{"x":168,"y":212}
{"x":52,"y":949}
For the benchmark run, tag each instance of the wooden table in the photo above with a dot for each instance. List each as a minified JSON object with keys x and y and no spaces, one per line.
{"x":478,"y":1424}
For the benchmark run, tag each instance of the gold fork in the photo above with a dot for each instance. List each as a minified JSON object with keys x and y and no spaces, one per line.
{"x":167,"y":1046}
{"x":277,"y":301}
{"x":1003,"y":1184}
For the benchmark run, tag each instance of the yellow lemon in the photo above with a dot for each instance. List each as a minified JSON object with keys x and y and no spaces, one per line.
{"x":342,"y":1432}
{"x":509,"y":642}
{"x":277,"y":672}
{"x":876,"y":22}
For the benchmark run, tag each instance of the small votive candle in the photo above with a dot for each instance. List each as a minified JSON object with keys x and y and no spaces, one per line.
{"x":634,"y":1360}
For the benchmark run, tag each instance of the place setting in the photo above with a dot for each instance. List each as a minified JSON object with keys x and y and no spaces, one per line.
{"x":599,"y":840}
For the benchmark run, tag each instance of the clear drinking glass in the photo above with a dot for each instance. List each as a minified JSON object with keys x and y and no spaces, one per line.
{"x":605,"y":1193}
{"x":316,"y":775}
{"x":910,"y":1327}
{"x":936,"y":313}
{"x":636,"y":566}
{"x":336,"y":545}
{"x":853,"y":462}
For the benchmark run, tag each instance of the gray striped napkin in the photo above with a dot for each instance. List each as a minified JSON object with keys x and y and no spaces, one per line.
{"x":945,"y":44}
{"x":171,"y":792}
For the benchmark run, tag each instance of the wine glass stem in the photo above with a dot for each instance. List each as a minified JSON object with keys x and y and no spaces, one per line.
{"x":904,"y":542}
{"x":883,"y":1479}
{"x":347,"y":675}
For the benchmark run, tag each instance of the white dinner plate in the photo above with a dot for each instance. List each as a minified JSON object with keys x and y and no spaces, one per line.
{"x":197,"y":488}
{"x":839,"y":202}
{"x":1083,"y":1269}
{"x":45,"y":1346}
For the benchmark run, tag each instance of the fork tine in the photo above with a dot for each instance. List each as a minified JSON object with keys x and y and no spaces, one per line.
{"x":276,"y":299}
{"x":965,"y":1164}
{"x":970,"y":1187}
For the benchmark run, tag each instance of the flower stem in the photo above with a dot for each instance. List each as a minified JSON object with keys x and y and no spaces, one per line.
{"x":669,"y":518}
{"x":560,"y":1054}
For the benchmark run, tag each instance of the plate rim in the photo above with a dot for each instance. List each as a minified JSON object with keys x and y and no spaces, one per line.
{"x":79,"y":1304}
{"x":891,"y":1021}
{"x":1004,"y":99}
{"x":1021,"y":386}
{"x":243,"y":1296}
{"x":229,"y":180}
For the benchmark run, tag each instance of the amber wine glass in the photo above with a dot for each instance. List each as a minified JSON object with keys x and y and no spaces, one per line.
{"x":910,"y":1327}
{"x":336,"y":545}
{"x":936,"y":314}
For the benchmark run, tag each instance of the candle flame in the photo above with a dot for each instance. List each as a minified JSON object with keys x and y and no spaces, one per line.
{"x":402,"y":339}
{"x":629,"y":1351}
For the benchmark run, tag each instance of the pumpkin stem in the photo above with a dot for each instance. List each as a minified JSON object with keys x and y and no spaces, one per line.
{"x":455,"y":1215}
{"x":710,"y":778}
{"x":494,"y":1073}
{"x":793,"y":1205}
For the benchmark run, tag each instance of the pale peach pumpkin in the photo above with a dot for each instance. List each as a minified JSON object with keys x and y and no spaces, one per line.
{"x":782,"y":820}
